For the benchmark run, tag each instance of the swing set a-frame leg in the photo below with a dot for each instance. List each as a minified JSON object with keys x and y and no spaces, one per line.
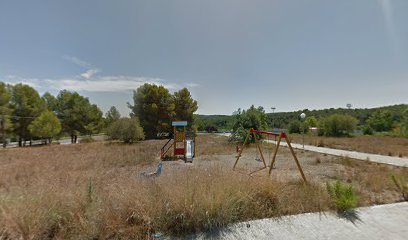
{"x":293,"y":154}
{"x":296,"y":159}
{"x":242,"y":149}
{"x":274,"y":154}
{"x":260,"y":150}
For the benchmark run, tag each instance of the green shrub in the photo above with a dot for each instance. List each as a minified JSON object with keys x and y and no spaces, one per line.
{"x":127,"y":130}
{"x":86,"y":140}
{"x":381,"y":121}
{"x":311,"y":122}
{"x":254,"y":117}
{"x":402,"y":187}
{"x":404,"y":130}
{"x":367,"y":130}
{"x":211,"y":129}
{"x":343,"y":196}
{"x":339,"y":125}
{"x":295,"y":127}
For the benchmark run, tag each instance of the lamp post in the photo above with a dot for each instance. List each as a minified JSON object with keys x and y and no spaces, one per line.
{"x":273,"y":111}
{"x":302,"y":116}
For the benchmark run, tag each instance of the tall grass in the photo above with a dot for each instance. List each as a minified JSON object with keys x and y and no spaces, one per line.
{"x":401,"y":185}
{"x":95,"y":191}
{"x":344,"y":197}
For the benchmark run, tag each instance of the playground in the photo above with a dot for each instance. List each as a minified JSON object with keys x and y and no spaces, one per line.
{"x":97,"y":190}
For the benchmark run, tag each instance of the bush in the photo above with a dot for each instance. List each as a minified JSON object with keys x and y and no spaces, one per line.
{"x":295,"y":127}
{"x":310,"y":122}
{"x":380,"y":121}
{"x":367,"y":130}
{"x":339,"y":125}
{"x":86,"y":140}
{"x":211,"y":129}
{"x":343,"y":196}
{"x":127,"y":130}
{"x":401,"y":185}
{"x":251,"y":118}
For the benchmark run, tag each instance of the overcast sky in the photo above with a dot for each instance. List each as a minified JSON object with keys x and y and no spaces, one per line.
{"x":288,"y":54}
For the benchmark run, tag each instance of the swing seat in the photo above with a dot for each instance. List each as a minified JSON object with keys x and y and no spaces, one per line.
{"x":155,"y":173}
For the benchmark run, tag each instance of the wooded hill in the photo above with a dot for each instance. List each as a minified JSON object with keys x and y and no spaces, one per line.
{"x":282,"y":119}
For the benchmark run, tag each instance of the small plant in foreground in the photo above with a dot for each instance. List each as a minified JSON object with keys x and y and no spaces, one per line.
{"x":321,"y":143}
{"x":344,"y":197}
{"x":403,"y":188}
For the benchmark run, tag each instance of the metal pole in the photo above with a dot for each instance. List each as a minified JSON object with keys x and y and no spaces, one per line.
{"x":273,"y":123}
{"x":303,"y":136}
{"x":302,"y":116}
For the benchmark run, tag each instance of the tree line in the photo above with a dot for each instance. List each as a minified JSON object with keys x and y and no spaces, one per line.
{"x":391,"y":120}
{"x":156,"y":108}
{"x":152,"y":111}
{"x":25,"y":115}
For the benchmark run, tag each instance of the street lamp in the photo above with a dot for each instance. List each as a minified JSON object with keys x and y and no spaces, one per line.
{"x":302,"y":116}
{"x":273,"y":123}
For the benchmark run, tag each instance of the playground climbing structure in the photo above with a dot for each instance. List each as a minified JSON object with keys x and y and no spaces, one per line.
{"x":182,"y":143}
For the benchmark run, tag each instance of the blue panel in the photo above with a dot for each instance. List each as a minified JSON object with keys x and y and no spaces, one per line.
{"x":179,"y":123}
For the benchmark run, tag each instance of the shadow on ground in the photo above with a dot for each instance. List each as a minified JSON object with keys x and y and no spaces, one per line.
{"x":350,"y":215}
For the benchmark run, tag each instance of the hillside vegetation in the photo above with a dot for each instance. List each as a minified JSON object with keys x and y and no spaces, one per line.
{"x":394,"y":114}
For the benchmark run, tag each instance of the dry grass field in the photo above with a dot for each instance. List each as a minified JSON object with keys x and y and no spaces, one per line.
{"x":95,"y":190}
{"x":384,"y":145}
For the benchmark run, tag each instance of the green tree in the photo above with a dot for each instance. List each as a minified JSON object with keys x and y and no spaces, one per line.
{"x":154,"y":106}
{"x":380,"y":121}
{"x":185,"y":106}
{"x":77,"y":114}
{"x":251,"y":118}
{"x":112,"y":115}
{"x":51,"y":101}
{"x":45,"y":126}
{"x":127,"y":130}
{"x":94,"y":120}
{"x":310,"y":122}
{"x":339,"y":125}
{"x":5,"y":111}
{"x":404,"y":123}
{"x":27,"y":105}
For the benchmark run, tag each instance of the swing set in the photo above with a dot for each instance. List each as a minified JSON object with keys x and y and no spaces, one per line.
{"x":281,"y":135}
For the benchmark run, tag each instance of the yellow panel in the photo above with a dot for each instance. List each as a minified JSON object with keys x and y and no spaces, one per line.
{"x":180,"y":136}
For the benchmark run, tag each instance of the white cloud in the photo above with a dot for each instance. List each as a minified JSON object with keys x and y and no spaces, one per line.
{"x":192,"y":85}
{"x":388,"y":13}
{"x":98,"y":84}
{"x":90,"y":82}
{"x":77,"y":61}
{"x":91,"y":70}
{"x":32,"y":82}
{"x":103,"y":84}
{"x":89,"y":73}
